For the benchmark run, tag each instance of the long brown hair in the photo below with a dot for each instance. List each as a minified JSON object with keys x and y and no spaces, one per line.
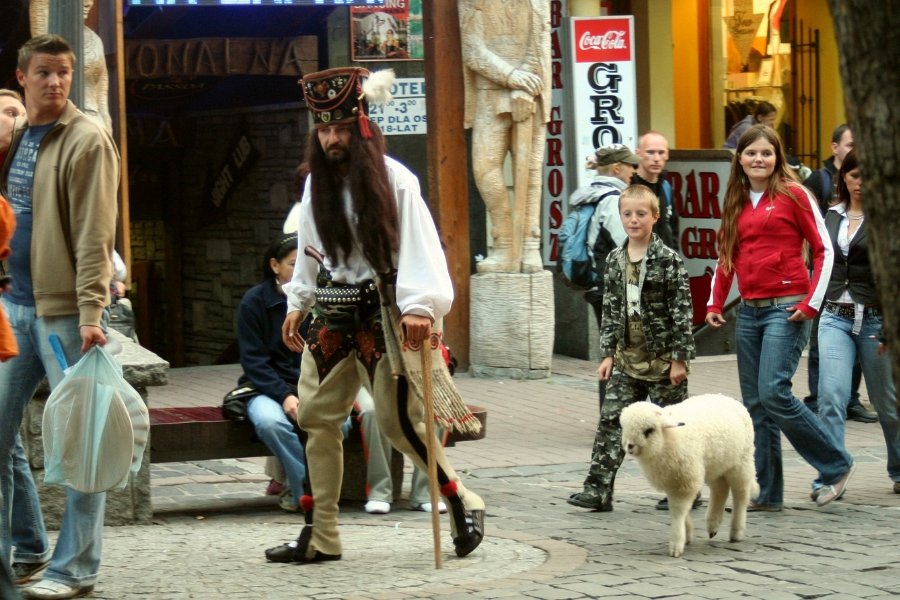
{"x":373,"y":201}
{"x":782,"y":181}
{"x":848,"y":164}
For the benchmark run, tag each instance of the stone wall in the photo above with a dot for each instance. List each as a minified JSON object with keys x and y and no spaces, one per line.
{"x":221,"y":254}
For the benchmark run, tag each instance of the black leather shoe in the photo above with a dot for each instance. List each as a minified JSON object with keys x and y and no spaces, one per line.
{"x":470,"y":538}
{"x":286,"y":553}
{"x":664,"y":503}
{"x":858,"y":412}
{"x":296,"y":551}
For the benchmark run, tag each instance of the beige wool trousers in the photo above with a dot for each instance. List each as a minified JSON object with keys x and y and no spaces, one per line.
{"x":324,"y":406}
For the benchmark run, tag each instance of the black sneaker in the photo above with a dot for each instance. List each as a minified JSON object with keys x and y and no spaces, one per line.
{"x":664,"y":503}
{"x":590,"y":499}
{"x":23,"y":572}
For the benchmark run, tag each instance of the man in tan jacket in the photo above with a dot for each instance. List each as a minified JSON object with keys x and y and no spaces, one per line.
{"x":61,"y":177}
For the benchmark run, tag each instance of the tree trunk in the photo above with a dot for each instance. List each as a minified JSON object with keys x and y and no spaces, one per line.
{"x":868,"y":39}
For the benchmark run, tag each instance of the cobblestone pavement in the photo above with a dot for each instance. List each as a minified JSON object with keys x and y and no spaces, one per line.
{"x":212,"y":521}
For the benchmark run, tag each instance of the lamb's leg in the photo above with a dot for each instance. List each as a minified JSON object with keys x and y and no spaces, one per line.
{"x":742,"y":484}
{"x":718,"y":494}
{"x":682,"y":526}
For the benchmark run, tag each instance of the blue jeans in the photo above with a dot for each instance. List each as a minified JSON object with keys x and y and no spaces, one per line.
{"x":768,"y":351}
{"x":839,"y":348}
{"x":277,"y":432}
{"x":76,"y":559}
{"x":7,"y":585}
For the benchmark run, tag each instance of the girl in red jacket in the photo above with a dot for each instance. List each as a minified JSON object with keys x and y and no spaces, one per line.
{"x":766,"y":218}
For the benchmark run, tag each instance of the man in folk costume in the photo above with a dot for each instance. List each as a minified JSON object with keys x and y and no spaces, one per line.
{"x":374,"y":270}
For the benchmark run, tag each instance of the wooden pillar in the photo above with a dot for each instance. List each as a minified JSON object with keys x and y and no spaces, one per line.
{"x":66,"y":18}
{"x":448,"y":189}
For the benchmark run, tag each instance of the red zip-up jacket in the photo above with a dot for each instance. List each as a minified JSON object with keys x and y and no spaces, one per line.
{"x":768,"y":257}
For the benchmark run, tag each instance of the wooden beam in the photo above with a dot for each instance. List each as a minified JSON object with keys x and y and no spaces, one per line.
{"x":448,"y":190}
{"x":122,"y":118}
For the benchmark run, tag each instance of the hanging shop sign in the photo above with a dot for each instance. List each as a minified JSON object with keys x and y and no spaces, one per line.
{"x":604,"y":94}
{"x":699,"y":179}
{"x":556,"y":164}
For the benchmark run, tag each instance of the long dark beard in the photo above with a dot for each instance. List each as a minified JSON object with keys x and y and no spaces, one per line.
{"x":373,"y":201}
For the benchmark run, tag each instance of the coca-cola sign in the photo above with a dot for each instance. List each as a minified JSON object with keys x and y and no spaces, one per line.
{"x":607,"y":40}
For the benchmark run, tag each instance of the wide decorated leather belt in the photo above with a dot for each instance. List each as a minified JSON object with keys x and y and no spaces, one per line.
{"x":347,"y":305}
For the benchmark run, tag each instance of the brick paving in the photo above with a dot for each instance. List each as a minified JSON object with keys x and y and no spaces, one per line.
{"x":212,"y":522}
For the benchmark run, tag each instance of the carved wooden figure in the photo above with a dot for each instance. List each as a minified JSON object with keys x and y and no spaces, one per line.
{"x":93,"y":57}
{"x":506,"y":62}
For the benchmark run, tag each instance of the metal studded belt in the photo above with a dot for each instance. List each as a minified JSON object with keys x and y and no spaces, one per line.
{"x":847,"y":312}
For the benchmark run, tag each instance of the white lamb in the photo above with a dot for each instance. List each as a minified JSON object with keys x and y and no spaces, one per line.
{"x":705,"y":438}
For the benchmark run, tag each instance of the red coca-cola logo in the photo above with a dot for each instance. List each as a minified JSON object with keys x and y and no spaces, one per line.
{"x":602,"y":40}
{"x":611,"y":40}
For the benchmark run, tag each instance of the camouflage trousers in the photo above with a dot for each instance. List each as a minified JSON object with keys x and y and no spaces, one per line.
{"x":607,"y":454}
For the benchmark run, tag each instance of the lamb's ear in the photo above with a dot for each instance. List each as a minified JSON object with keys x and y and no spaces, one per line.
{"x":668,"y":421}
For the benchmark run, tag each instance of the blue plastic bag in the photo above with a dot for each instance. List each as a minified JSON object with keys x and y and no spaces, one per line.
{"x":95,"y":426}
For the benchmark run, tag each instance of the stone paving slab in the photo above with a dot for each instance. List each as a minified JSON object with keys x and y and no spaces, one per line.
{"x":212,"y":520}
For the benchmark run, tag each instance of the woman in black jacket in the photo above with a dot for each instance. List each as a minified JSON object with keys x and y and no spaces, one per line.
{"x":850,"y":324}
{"x":270,"y":367}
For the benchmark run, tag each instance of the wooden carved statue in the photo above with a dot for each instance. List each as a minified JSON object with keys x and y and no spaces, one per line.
{"x":506,"y":62}
{"x":93,"y":57}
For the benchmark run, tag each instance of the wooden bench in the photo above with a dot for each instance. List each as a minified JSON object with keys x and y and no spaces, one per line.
{"x":201,"y":433}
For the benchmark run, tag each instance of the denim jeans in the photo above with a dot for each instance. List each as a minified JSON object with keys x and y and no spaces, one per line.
{"x":7,"y":584}
{"x":277,"y":432}
{"x":768,"y":351}
{"x":76,"y":558}
{"x":812,"y":371}
{"x":839,"y":349}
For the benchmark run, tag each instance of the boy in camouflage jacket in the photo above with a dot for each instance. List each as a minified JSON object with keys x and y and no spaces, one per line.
{"x":645,"y":339}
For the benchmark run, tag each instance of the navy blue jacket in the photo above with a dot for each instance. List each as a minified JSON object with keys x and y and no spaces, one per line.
{"x":268,"y":364}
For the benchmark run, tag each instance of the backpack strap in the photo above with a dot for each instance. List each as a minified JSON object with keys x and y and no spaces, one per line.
{"x":667,"y":191}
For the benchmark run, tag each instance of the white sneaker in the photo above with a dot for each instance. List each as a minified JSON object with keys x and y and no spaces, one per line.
{"x":426,"y":507}
{"x":47,"y":589}
{"x":378,"y":507}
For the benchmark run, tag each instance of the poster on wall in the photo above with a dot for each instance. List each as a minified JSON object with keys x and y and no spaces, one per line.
{"x":604,"y":95}
{"x":392,"y":31}
{"x":404,"y":114}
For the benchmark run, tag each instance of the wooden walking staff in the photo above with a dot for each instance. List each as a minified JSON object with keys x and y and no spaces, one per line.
{"x":521,"y":151}
{"x":431,"y":445}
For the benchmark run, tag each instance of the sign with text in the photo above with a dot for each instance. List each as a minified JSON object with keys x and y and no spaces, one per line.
{"x":699,"y":179}
{"x":237,"y":164}
{"x":556,"y":160}
{"x":405,"y":113}
{"x":604,"y":95}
